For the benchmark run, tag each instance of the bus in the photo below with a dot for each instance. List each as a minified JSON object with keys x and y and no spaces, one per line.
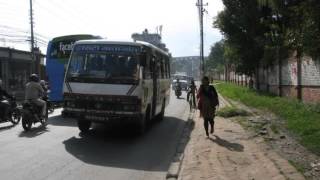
{"x":116,"y":81}
{"x":58,"y":53}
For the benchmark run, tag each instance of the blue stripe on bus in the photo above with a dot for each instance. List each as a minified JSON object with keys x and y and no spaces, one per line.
{"x":56,"y":76}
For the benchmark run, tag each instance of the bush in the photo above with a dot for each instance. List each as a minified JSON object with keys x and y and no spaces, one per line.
{"x":227,"y":112}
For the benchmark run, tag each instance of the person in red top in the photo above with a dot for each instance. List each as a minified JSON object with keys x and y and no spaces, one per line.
{"x":208,"y":101}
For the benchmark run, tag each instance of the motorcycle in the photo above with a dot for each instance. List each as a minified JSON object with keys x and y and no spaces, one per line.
{"x":31,"y":114}
{"x":178,"y":91}
{"x":14,"y":114}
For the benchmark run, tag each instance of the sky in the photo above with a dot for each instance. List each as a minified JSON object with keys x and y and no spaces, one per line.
{"x":114,"y":20}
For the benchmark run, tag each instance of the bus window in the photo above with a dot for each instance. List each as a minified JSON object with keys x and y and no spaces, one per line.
{"x":153,"y":67}
{"x":146,"y":68}
{"x":159,"y":70}
{"x":166,"y":67}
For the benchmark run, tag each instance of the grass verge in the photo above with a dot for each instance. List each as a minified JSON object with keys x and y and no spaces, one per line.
{"x":227,"y":112}
{"x":303,"y":120}
{"x":299,"y":167}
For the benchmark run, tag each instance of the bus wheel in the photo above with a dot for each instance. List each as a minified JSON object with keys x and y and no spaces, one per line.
{"x":84,"y":125}
{"x":142,"y":124}
{"x":160,"y":116}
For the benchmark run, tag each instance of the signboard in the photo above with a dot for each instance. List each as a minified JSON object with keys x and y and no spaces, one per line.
{"x":110,"y":48}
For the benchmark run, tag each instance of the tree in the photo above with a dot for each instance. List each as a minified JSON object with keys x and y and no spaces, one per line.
{"x":215,"y":59}
{"x":240,"y":23}
{"x":297,"y":24}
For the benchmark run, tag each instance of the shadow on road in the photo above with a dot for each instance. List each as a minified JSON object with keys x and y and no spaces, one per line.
{"x":181,"y":98}
{"x":35,"y":131}
{"x":58,"y":120}
{"x":230,"y":146}
{"x":119,"y":147}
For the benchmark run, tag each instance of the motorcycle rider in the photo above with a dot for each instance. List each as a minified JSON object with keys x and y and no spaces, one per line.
{"x":4,"y":104}
{"x":178,"y":85}
{"x":44,"y":87}
{"x":192,"y":89}
{"x":34,"y":92}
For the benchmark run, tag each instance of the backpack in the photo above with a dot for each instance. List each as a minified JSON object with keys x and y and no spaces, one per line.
{"x":211,"y":94}
{"x":214,"y":98}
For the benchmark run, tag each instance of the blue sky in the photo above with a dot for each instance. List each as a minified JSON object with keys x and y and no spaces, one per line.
{"x":112,"y":19}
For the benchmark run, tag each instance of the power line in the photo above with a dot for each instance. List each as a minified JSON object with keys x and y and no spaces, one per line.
{"x":56,"y":15}
{"x":21,"y":34}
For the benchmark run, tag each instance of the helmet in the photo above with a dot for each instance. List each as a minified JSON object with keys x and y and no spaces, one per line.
{"x":34,"y":78}
{"x":42,"y":82}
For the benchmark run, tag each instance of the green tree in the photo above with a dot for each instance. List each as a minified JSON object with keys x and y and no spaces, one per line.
{"x":240,"y":23}
{"x":297,"y":25}
{"x":215,"y":59}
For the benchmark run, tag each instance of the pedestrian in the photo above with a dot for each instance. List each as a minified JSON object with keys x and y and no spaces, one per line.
{"x":208,"y":101}
{"x":192,"y":89}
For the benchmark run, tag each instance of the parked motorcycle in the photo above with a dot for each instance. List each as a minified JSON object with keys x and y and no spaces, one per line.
{"x":31,"y":114}
{"x":14,"y":113}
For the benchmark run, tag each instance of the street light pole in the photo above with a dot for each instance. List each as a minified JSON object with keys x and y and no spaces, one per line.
{"x":32,"y":36}
{"x":201,"y":10}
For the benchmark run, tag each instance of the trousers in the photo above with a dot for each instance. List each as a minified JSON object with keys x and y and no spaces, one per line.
{"x":208,"y":121}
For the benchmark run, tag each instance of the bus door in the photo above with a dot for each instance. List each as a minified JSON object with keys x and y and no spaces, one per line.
{"x":155,"y":84}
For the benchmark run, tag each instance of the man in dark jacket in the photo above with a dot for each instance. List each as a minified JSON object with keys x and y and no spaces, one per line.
{"x":4,"y":104}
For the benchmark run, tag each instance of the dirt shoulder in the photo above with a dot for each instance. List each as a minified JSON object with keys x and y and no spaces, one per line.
{"x":273,"y":129}
{"x":232,"y":153}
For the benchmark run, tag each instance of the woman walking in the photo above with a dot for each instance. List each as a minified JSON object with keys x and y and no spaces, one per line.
{"x":208,"y":100}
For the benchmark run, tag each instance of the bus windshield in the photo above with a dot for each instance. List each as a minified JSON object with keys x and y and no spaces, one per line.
{"x":103,"y":66}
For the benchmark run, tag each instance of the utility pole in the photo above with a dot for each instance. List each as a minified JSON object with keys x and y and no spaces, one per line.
{"x":32,"y":37}
{"x":201,"y":10}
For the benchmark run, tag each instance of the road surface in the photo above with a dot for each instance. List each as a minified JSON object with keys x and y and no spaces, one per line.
{"x":107,"y":152}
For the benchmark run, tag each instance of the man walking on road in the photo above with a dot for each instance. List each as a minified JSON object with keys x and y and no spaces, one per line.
{"x":208,"y":100}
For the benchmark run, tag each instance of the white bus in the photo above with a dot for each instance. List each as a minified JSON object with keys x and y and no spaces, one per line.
{"x":112,"y":81}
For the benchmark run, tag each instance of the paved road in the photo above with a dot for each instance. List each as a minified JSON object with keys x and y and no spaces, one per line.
{"x":60,"y":152}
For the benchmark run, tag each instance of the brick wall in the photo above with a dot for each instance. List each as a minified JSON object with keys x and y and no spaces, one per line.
{"x":310,"y":78}
{"x":311,"y":94}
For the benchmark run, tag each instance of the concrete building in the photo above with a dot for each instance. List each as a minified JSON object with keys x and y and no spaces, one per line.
{"x":152,"y":38}
{"x":16,"y":67}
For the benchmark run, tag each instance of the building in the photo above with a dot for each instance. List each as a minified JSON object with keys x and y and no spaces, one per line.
{"x":187,"y":64}
{"x":16,"y":67}
{"x":152,"y":38}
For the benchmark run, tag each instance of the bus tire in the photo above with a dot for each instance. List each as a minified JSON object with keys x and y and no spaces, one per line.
{"x":84,"y":125}
{"x":160,"y":116}
{"x":143,"y":121}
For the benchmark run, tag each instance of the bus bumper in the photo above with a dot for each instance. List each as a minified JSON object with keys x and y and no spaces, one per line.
{"x":103,"y":116}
